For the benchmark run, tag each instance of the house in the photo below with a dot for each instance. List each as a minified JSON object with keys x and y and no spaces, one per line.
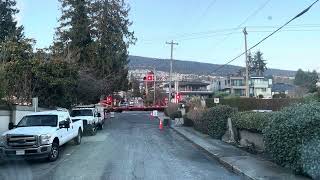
{"x":260,"y":87}
{"x":190,"y":88}
{"x":282,"y":88}
{"x":232,"y":85}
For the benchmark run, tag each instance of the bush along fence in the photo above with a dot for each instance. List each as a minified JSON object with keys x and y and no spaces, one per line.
{"x":249,"y":104}
{"x":290,"y":136}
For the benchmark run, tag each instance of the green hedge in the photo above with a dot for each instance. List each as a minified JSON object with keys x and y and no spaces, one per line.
{"x":251,"y":121}
{"x":249,"y":104}
{"x":293,"y":138}
{"x":186,"y":121}
{"x":217,"y":118}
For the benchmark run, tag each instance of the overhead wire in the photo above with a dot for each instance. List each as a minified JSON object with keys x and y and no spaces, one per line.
{"x":198,"y":20}
{"x":271,"y":34}
{"x":262,"y":6}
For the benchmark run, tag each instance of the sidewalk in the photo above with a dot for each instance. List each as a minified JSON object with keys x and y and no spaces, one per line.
{"x":239,"y":161}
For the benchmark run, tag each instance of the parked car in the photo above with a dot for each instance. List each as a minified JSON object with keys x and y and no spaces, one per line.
{"x":39,"y":135}
{"x":92,"y":117}
{"x":124,"y":104}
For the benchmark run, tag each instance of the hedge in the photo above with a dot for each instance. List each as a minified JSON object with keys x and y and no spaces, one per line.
{"x":217,"y":118}
{"x":186,"y":121}
{"x":292,"y":138}
{"x":251,"y":121}
{"x":199,"y":124}
{"x":249,"y":104}
{"x":171,"y":110}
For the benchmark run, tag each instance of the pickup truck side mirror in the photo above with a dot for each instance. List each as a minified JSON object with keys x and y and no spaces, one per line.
{"x":11,"y":126}
{"x":64,"y":124}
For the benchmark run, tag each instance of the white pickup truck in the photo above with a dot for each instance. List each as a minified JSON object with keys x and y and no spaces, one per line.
{"x":39,"y":135}
{"x":92,"y":117}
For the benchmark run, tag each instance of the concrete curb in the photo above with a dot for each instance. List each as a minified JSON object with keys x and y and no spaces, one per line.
{"x":247,"y":173}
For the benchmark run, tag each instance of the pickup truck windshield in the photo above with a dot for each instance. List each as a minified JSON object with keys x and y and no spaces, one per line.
{"x":39,"y":120}
{"x":81,"y":112}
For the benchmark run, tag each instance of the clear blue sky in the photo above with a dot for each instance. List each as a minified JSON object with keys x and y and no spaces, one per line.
{"x":158,"y":21}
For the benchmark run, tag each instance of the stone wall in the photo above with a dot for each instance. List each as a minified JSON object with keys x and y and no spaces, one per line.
{"x":252,"y":140}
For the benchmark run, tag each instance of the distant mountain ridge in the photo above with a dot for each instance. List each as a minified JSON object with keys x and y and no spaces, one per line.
{"x":193,"y":67}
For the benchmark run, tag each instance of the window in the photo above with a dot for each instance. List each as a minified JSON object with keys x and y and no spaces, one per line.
{"x":81,"y":112}
{"x":39,"y":120}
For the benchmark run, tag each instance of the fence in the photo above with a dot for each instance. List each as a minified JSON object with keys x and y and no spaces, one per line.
{"x":14,"y":115}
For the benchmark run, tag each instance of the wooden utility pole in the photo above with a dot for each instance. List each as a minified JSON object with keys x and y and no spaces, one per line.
{"x":170,"y":73}
{"x":247,"y":65}
{"x":154,"y":85}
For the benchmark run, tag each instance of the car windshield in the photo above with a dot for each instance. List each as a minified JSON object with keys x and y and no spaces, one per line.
{"x":38,"y":120}
{"x":81,"y":112}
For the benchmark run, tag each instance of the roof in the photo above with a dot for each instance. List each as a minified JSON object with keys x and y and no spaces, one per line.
{"x":257,"y":77}
{"x":192,"y":83}
{"x":282,"y":87}
{"x":188,"y":83}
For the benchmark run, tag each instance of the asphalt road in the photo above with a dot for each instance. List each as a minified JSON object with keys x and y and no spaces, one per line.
{"x":130,"y":147}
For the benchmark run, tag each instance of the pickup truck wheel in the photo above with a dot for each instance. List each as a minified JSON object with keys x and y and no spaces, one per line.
{"x":93,"y":130}
{"x":101,"y":126}
{"x":54,"y":153}
{"x":77,"y":140}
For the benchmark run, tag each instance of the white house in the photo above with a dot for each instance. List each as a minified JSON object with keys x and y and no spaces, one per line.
{"x":260,"y":87}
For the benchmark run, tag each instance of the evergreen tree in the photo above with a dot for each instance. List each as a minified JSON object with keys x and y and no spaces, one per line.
{"x":259,"y":64}
{"x":307,"y":80}
{"x":8,"y":26}
{"x":300,"y":78}
{"x":113,"y":37}
{"x":73,"y":36}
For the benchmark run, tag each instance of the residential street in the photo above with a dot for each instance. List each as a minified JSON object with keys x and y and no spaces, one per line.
{"x":130,"y":147}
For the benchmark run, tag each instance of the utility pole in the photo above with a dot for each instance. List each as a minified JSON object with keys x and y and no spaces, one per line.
{"x":154,"y":85}
{"x":170,"y":73}
{"x":247,"y":65}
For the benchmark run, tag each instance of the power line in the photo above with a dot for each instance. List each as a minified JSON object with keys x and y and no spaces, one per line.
{"x":246,"y":20}
{"x":209,"y":36}
{"x":292,"y":30}
{"x":289,"y":26}
{"x":197,"y":21}
{"x":206,"y":32}
{"x":213,"y":2}
{"x":297,"y":16}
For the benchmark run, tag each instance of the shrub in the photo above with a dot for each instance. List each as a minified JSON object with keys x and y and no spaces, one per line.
{"x":293,"y":138}
{"x":186,"y":121}
{"x":172,"y":108}
{"x":251,"y":121}
{"x":312,"y":97}
{"x":195,"y":102}
{"x":199,"y":124}
{"x":176,"y":114}
{"x":249,"y":104}
{"x":217,"y":117}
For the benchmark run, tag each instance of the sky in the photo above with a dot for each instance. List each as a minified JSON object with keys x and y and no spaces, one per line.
{"x":206,"y":30}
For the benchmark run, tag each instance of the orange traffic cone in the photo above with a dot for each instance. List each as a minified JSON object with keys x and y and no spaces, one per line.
{"x":160,"y":125}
